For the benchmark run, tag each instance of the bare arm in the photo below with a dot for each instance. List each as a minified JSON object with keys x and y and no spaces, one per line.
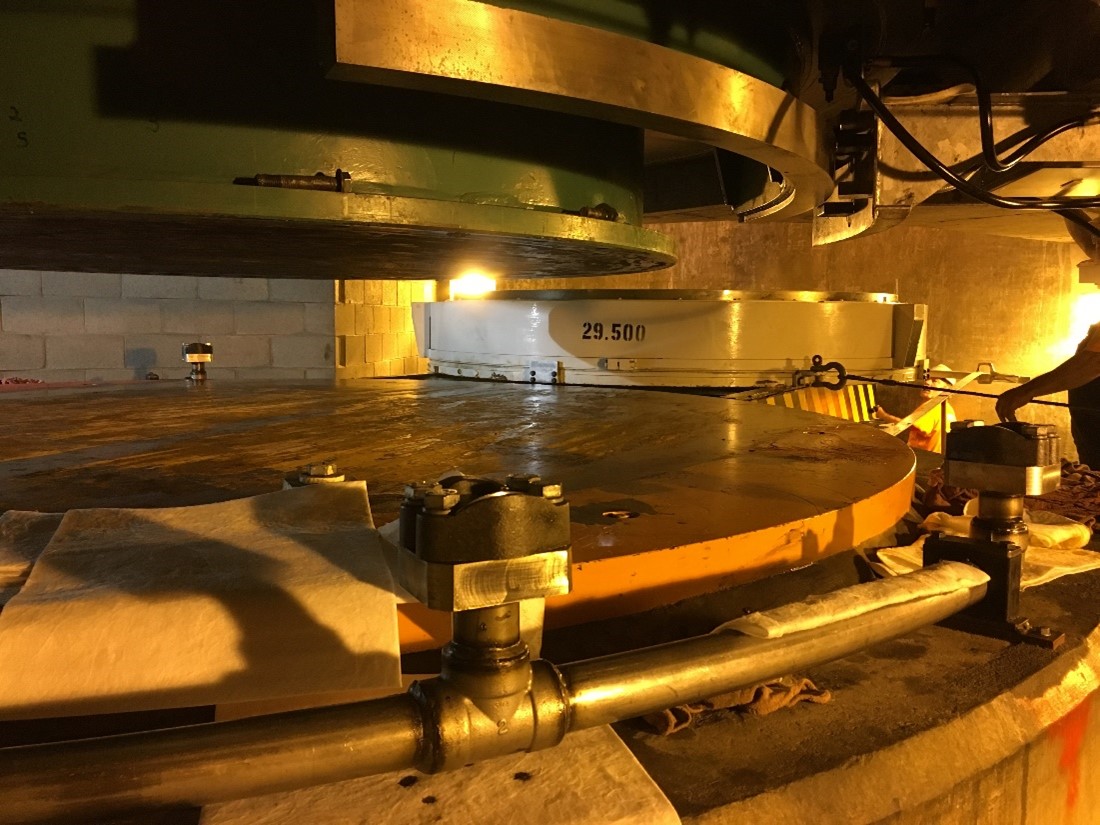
{"x":1080,"y":369}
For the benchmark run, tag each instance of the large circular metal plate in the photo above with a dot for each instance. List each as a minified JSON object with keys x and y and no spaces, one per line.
{"x":671,"y":495}
{"x":397,"y":238}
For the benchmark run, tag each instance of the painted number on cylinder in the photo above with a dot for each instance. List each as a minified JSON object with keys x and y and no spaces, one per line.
{"x":599,"y":331}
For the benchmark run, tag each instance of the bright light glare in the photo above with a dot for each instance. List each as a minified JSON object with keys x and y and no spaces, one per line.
{"x":1083,"y":314}
{"x":472,"y":284}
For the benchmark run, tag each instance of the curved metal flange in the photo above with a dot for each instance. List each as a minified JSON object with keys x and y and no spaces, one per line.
{"x":478,"y":50}
{"x":319,"y":235}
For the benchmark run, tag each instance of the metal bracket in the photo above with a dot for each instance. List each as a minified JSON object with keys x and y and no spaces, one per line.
{"x":995,"y":615}
{"x":545,"y":372}
{"x":817,"y":369}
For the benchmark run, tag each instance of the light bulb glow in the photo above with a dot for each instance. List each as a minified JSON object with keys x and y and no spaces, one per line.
{"x":473,"y":283}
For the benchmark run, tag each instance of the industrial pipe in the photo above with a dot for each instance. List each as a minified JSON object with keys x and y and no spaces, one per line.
{"x":93,"y":779}
{"x":625,"y":685}
{"x":202,"y":764}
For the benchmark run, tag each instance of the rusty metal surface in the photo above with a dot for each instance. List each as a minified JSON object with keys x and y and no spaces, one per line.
{"x":156,"y":445}
{"x":671,"y":494}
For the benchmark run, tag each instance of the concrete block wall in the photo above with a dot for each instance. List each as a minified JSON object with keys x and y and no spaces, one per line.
{"x":66,"y":326}
{"x":374,"y":328}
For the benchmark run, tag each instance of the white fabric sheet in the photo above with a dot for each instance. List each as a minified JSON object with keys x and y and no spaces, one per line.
{"x":589,"y":779}
{"x":278,"y":595}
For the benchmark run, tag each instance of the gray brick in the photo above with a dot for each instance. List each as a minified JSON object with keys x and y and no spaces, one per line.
{"x":233,"y":289}
{"x":84,"y":352}
{"x":390,"y":347}
{"x":364,"y":316}
{"x":198,"y":319}
{"x":400,"y":319}
{"x":301,"y":289}
{"x":20,"y":282}
{"x":344,"y":318}
{"x":82,"y":284}
{"x":389,"y":293}
{"x":372,"y":293}
{"x":19,"y":352}
{"x":354,"y":292}
{"x":242,"y":351}
{"x":374,"y":348}
{"x":320,"y":373}
{"x":42,"y":315}
{"x":256,"y":317}
{"x":302,"y":351}
{"x":122,"y":315}
{"x":160,"y":286}
{"x":154,"y":352}
{"x":319,"y":318}
{"x":355,"y":350}
{"x":380,"y":319}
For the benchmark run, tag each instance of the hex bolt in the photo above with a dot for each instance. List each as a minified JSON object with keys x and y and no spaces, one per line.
{"x":416,"y":490}
{"x":441,"y":501}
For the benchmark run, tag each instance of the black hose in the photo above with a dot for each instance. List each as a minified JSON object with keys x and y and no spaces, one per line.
{"x":985,"y":111}
{"x":1062,"y":206}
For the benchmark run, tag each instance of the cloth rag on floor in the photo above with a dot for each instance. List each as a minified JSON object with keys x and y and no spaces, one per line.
{"x":1054,"y":548}
{"x":279,"y":595}
{"x":1041,"y":564}
{"x":758,"y":700}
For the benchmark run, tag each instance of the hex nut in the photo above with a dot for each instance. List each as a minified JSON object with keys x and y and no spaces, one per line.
{"x":416,"y":490}
{"x":548,"y":489}
{"x":442,"y":499}
{"x":320,"y":469}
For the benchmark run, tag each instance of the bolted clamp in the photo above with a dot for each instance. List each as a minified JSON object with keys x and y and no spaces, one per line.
{"x":1004,"y":462}
{"x":469,"y":542}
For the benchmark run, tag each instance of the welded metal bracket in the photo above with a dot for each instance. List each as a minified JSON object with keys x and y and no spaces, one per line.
{"x":997,"y":615}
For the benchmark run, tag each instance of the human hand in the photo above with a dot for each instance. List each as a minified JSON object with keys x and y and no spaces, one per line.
{"x":881,"y":414}
{"x":1010,"y":401}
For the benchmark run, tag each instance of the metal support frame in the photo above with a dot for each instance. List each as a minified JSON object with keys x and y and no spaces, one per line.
{"x":1008,"y":461}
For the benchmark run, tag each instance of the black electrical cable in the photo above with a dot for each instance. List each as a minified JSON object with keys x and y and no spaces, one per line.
{"x":890,"y":382}
{"x":1062,"y":206}
{"x":985,"y":111}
